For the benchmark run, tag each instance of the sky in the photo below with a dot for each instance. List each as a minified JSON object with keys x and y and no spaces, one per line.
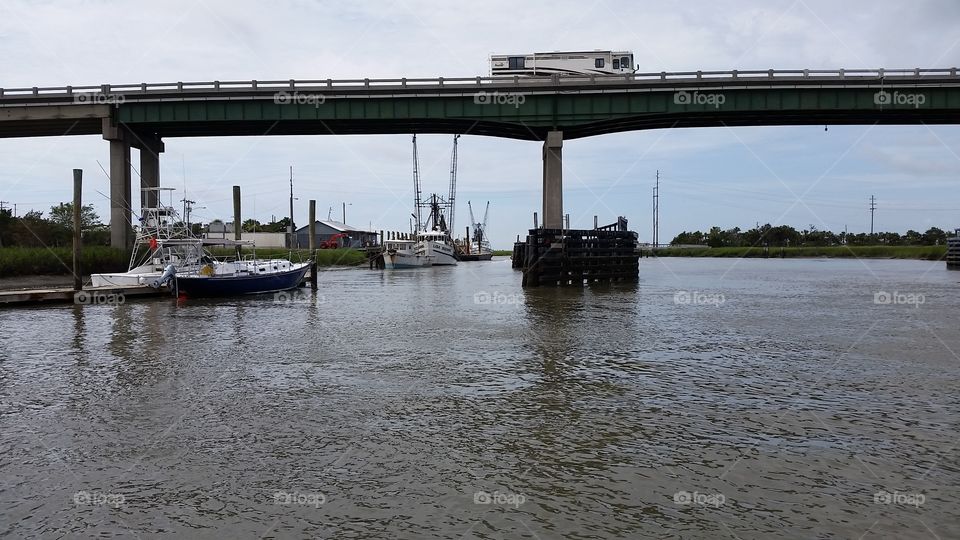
{"x":729,"y":177}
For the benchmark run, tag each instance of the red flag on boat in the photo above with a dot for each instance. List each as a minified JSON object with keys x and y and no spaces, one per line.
{"x":153,"y":243}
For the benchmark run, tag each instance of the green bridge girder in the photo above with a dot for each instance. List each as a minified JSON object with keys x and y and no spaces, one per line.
{"x":530,"y":116}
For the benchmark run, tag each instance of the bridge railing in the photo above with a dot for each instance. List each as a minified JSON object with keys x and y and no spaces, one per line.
{"x":474,"y":82}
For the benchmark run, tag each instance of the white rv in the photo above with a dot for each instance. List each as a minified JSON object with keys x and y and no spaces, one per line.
{"x":581,"y":63}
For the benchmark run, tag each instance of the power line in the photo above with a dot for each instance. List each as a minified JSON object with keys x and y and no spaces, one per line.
{"x":873,"y":206}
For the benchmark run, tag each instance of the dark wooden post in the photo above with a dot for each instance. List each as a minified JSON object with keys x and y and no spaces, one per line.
{"x":313,"y":226}
{"x":77,"y":239}
{"x":236,"y":213}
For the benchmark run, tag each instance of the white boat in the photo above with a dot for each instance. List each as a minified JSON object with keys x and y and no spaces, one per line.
{"x":438,"y":247}
{"x":404,"y":254}
{"x":162,"y":240}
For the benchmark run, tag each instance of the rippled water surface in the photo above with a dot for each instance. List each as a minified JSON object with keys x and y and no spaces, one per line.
{"x":714,"y":399}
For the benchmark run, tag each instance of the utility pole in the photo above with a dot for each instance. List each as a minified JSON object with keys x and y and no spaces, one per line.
{"x":344,"y":213}
{"x":656,"y":211}
{"x":873,"y":206}
{"x":187,"y":209}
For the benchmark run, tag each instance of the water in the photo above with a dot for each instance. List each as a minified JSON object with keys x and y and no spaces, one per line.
{"x":717,"y":398}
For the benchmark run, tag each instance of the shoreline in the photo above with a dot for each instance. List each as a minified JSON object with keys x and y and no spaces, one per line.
{"x":926,"y":253}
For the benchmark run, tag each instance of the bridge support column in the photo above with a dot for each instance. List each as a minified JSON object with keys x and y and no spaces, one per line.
{"x":121,"y":232}
{"x":553,"y":180}
{"x":150,"y":171}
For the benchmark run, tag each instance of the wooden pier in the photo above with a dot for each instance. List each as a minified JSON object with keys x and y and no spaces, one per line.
{"x":87,"y":296}
{"x":578,"y":256}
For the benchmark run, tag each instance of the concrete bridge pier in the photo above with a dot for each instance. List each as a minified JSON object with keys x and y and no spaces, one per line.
{"x":553,"y":180}
{"x":121,"y":233}
{"x":150,"y":150}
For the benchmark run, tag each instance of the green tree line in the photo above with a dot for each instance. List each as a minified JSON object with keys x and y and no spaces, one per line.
{"x":785,"y":235}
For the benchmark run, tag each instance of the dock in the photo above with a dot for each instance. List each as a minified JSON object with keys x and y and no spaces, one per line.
{"x":86,"y":296}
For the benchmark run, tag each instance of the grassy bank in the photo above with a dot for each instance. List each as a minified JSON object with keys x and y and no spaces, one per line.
{"x":503,"y":252}
{"x":325,"y":257}
{"x":20,"y":261}
{"x":929,"y":253}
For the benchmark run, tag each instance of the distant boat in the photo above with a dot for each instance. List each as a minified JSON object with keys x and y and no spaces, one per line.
{"x":478,"y":248}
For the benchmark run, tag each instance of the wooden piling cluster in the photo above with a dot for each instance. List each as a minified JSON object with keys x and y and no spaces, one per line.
{"x":953,"y":252}
{"x":576,"y":256}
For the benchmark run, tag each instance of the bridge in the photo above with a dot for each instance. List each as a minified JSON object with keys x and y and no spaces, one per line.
{"x":542,"y":109}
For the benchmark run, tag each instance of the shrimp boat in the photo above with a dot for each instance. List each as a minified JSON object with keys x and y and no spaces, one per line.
{"x":432,"y":244}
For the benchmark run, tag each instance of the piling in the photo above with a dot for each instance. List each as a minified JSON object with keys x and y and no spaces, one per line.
{"x":236,"y":213}
{"x":77,"y":238}
{"x":313,"y":274}
{"x":578,"y":256}
{"x":953,"y":251}
{"x":313,"y":226}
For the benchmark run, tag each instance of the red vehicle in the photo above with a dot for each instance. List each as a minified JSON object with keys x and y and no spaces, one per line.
{"x":334,"y":241}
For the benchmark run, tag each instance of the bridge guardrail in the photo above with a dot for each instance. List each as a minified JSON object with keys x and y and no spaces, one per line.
{"x":475,"y":82}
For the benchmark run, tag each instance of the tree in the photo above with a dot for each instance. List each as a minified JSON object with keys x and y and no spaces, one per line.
{"x":6,"y":233}
{"x":251,"y":225}
{"x":934,"y":236}
{"x":62,"y":216}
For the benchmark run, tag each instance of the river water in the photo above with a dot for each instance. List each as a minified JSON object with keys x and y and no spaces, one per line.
{"x":714,"y":399}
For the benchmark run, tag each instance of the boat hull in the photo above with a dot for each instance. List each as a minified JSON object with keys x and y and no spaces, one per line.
{"x":241,"y":284}
{"x":441,"y":254}
{"x":405,"y":259}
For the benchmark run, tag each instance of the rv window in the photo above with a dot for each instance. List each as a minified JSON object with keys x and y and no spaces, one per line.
{"x":625,"y":62}
{"x":598,"y":63}
{"x":516,"y":62}
{"x":616,"y":63}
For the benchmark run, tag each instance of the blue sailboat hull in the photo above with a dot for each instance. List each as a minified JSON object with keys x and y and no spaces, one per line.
{"x":238,"y":285}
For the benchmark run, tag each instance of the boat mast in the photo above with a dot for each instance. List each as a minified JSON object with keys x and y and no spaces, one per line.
{"x":453,"y":184}
{"x":416,"y":182}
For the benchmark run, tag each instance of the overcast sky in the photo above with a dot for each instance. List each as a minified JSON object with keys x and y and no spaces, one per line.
{"x":712,"y":176}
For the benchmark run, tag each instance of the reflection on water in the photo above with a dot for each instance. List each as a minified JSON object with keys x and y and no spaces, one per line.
{"x":448,"y":402}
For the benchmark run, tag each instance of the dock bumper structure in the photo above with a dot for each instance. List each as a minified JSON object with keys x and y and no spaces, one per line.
{"x":578,"y":256}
